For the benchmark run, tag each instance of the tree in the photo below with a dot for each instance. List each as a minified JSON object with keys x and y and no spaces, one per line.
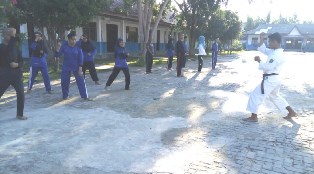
{"x":252,"y":24}
{"x":58,"y":16}
{"x":195,"y":14}
{"x":233,"y":26}
{"x":148,"y":23}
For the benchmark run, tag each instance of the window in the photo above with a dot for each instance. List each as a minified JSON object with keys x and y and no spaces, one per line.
{"x":91,"y":31}
{"x":131,"y":34}
{"x":254,"y":41}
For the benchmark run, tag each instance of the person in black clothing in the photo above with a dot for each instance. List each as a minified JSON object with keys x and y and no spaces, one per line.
{"x":170,"y":52}
{"x":89,"y":53}
{"x":180,"y":51}
{"x":11,"y":69}
{"x":149,"y":57}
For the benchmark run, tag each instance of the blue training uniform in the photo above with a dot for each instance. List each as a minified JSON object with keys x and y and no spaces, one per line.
{"x":39,"y":63}
{"x":73,"y":59}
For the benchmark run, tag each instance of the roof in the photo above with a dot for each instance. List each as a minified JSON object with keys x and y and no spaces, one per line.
{"x":284,"y":29}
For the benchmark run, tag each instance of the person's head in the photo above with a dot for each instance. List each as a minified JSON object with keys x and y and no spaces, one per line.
{"x":185,"y":38}
{"x":170,"y":40}
{"x":274,"y":40}
{"x":38,"y":35}
{"x":7,"y":33}
{"x":181,"y":36}
{"x":120,"y":43}
{"x":72,"y":38}
{"x":84,"y":38}
{"x":217,"y":40}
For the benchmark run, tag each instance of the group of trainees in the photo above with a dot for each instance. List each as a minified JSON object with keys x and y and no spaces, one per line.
{"x":79,"y":56}
{"x":181,"y":50}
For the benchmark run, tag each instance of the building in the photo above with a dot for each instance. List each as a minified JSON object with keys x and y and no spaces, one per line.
{"x":295,"y":37}
{"x":105,"y":29}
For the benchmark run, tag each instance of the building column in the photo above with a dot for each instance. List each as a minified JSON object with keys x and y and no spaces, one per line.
{"x":123,"y":30}
{"x":25,"y":49}
{"x":99,"y":35}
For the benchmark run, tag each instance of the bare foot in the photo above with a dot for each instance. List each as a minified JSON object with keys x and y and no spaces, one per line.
{"x":290,"y":115}
{"x":251,"y":119}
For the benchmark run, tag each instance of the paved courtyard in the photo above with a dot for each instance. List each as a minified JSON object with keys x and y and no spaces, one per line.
{"x":164,"y":124}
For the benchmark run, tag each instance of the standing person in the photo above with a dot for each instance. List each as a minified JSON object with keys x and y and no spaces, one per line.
{"x":170,"y":52}
{"x":120,"y":64}
{"x":180,"y":54}
{"x":72,"y":63}
{"x":39,"y":54}
{"x":186,"y":49}
{"x":215,"y":53}
{"x":271,"y":82}
{"x":149,"y":57}
{"x":89,"y":53}
{"x":201,"y":52}
{"x":11,"y":69}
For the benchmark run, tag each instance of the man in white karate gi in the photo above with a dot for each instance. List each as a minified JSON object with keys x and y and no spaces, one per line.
{"x":271,"y":82}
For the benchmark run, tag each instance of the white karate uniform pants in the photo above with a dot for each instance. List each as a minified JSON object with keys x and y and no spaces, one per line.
{"x":271,"y":90}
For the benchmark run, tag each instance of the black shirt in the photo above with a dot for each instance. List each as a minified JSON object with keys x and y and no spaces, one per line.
{"x":180,"y":47}
{"x":10,"y":53}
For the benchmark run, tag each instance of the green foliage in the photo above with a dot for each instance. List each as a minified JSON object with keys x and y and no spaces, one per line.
{"x":287,"y":20}
{"x":65,"y":14}
{"x":237,"y":46}
{"x":195,"y":16}
{"x":252,"y":24}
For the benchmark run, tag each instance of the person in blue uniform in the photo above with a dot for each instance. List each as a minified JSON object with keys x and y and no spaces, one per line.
{"x":11,"y":69}
{"x":72,"y":63}
{"x":170,"y":52}
{"x":120,"y":64}
{"x":215,"y":53}
{"x":89,"y":53}
{"x":39,"y":63}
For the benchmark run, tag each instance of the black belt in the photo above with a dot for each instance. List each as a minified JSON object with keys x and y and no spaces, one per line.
{"x":265,"y":77}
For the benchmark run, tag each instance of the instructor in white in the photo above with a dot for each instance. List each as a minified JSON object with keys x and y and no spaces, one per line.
{"x":271,"y":82}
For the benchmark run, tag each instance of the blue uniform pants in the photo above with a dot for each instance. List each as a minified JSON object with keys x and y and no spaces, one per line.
{"x":33,"y":74}
{"x":65,"y":83}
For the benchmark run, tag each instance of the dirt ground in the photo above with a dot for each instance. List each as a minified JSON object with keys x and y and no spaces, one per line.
{"x":164,"y":124}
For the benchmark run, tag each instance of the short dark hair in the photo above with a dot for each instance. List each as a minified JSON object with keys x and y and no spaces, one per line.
{"x":71,"y":34}
{"x":275,"y":36}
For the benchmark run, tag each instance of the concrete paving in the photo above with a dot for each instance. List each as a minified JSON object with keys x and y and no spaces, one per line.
{"x":164,"y":124}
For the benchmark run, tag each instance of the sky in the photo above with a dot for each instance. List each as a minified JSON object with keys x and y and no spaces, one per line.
{"x":260,"y":8}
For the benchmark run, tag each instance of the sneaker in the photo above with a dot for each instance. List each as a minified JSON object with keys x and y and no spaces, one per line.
{"x":28,"y":91}
{"x":21,"y":117}
{"x":106,"y":88}
{"x":127,"y":88}
{"x":49,"y":92}
{"x":97,"y":83}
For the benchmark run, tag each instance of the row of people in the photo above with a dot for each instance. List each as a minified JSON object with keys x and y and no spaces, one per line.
{"x":77,"y":57}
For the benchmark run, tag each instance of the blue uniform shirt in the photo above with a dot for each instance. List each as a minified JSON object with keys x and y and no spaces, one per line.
{"x":215,"y":47}
{"x":73,"y":57}
{"x":120,"y":58}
